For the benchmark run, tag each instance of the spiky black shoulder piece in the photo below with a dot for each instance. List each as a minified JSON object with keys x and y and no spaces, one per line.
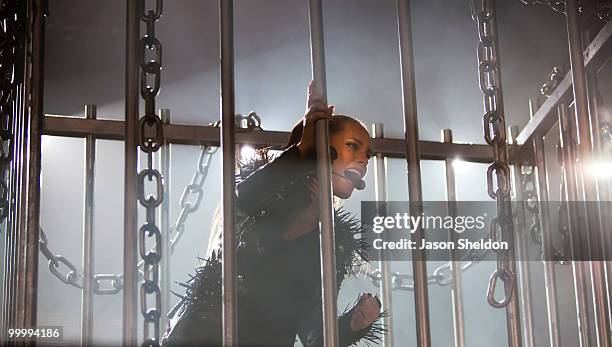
{"x":351,"y":245}
{"x":246,"y":167}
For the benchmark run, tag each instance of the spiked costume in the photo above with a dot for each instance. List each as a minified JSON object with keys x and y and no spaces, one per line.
{"x":279,"y":282}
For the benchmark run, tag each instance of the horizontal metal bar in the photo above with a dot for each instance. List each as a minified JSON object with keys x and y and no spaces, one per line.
{"x":545,"y":118}
{"x":200,"y":135}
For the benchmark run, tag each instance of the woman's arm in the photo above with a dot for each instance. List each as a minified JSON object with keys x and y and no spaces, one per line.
{"x":278,"y":187}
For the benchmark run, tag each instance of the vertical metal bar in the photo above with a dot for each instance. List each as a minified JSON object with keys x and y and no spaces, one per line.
{"x":326,"y":212}
{"x":164,"y":218}
{"x":411,"y":132}
{"x":229,"y":157}
{"x":130,"y":236}
{"x":550,"y":282}
{"x":603,"y":185}
{"x":600,"y":298}
{"x":380,"y":175}
{"x":577,"y":239}
{"x":32,"y":166}
{"x":522,"y":253}
{"x":11,"y":256}
{"x":457,"y":284}
{"x":10,"y":300}
{"x":88,"y":234}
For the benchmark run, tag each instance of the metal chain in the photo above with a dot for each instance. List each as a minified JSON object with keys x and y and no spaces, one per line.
{"x":150,"y":82}
{"x":189,"y":203}
{"x":71,"y":275}
{"x":498,"y":173}
{"x":600,"y":8}
{"x":441,"y":276}
{"x":528,"y":186}
{"x":192,"y":194}
{"x":554,"y":78}
{"x":12,"y":32}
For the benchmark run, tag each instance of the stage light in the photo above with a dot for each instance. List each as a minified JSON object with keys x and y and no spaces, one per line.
{"x":601,"y":169}
{"x":247,"y":153}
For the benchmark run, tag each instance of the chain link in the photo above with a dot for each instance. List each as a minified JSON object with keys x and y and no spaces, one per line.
{"x":498,"y":173}
{"x":554,"y":78}
{"x":12,"y":38}
{"x":442,"y":275}
{"x":106,"y":284}
{"x":150,"y":83}
{"x":528,"y":186}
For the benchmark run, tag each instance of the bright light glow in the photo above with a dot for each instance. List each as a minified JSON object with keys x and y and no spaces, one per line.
{"x":460,"y":165}
{"x":247,"y":153}
{"x":601,"y":169}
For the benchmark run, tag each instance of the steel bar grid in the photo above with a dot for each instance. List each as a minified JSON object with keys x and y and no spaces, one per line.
{"x":209,"y":135}
{"x":596,"y":54}
{"x":595,"y":229}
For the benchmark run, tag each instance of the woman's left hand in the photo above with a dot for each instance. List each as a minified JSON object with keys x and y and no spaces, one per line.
{"x":365,"y":313}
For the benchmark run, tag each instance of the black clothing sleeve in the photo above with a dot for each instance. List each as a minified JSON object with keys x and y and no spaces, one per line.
{"x":278,"y":187}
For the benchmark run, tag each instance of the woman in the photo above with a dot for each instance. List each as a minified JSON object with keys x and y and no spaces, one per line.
{"x":279,"y":283}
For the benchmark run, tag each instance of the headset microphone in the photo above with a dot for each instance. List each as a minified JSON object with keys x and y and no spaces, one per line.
{"x":358,"y":183}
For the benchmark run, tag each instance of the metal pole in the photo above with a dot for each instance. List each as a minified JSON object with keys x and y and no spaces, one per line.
{"x":411,"y":132}
{"x":550,"y":282}
{"x":596,"y":119}
{"x":577,"y":239}
{"x":581,"y":103}
{"x":522,"y":252}
{"x":130,"y":236}
{"x":229,"y":186}
{"x":87,"y":295}
{"x":380,"y":175}
{"x":164,"y":217}
{"x":326,"y":212}
{"x":457,"y":284}
{"x":32,"y":167}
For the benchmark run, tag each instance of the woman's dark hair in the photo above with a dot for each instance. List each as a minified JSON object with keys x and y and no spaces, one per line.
{"x":336,"y":124}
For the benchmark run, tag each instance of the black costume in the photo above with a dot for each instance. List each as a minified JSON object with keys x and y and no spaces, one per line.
{"x":279,"y":284}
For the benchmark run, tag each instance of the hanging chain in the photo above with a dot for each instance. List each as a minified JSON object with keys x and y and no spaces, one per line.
{"x":71,"y":276}
{"x":113,"y":284}
{"x":12,"y":32}
{"x":600,"y":8}
{"x":528,"y":186}
{"x":498,"y":173}
{"x":150,"y":79}
{"x":193,"y":193}
{"x":441,"y":276}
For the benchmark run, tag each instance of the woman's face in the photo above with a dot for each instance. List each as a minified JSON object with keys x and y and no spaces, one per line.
{"x":354,"y":148}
